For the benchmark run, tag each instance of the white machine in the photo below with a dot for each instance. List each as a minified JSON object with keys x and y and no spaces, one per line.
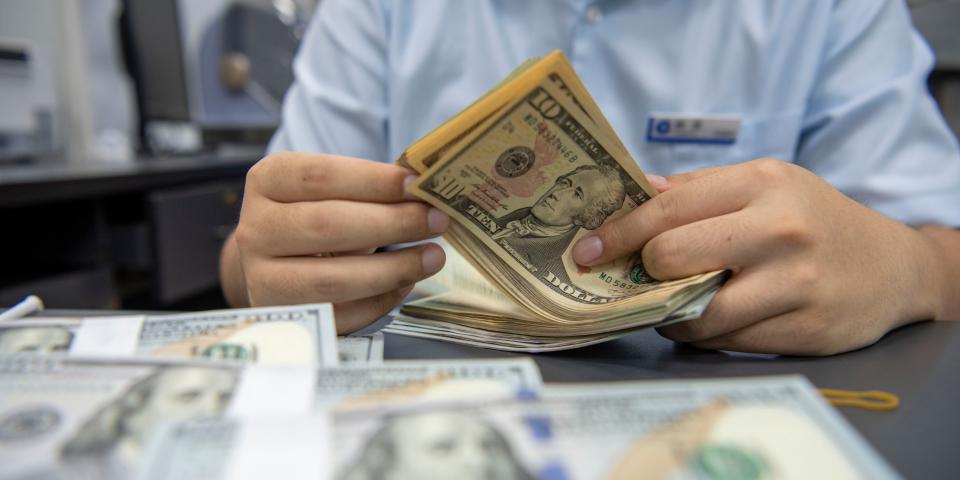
{"x":28,"y":97}
{"x":215,"y":65}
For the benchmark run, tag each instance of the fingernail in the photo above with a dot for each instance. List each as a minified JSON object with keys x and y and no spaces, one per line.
{"x":658,"y":181}
{"x":587,"y":250}
{"x":406,"y":187}
{"x":437,"y":221}
{"x":432,"y":260}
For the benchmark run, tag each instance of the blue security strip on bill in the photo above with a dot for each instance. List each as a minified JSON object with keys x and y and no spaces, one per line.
{"x":692,"y":128}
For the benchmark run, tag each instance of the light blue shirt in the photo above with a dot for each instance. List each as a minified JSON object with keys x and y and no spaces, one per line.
{"x":838,"y":87}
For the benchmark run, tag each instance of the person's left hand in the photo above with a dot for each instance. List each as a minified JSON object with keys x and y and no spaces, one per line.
{"x":813,"y":272}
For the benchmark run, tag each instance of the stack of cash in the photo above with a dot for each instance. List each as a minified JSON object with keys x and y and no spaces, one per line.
{"x":298,"y":335}
{"x":525,"y":172}
{"x":173,"y":419}
{"x":82,"y":417}
{"x":206,"y":395}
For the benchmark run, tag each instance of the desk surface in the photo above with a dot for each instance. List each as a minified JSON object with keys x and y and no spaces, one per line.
{"x":49,"y":182}
{"x":919,"y":363}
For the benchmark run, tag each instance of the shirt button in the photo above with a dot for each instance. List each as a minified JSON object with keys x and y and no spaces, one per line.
{"x":594,"y":14}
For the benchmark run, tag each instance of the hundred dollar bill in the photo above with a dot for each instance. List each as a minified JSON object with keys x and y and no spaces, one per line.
{"x":361,"y":349}
{"x":41,"y":336}
{"x":303,"y":334}
{"x":65,"y":419}
{"x":760,"y":427}
{"x":238,"y":448}
{"x":298,"y":335}
{"x":447,"y":443}
{"x":86,"y":418}
{"x":382,"y":386}
{"x":756,"y":428}
{"x":401,"y":381}
{"x":414,"y":442}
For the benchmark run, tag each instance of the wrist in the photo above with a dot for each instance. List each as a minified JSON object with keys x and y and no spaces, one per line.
{"x":944,"y":271}
{"x":928,"y":279}
{"x":908,"y":285}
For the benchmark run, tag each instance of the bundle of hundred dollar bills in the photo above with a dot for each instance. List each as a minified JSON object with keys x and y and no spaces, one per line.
{"x":525,"y":172}
{"x":215,"y":395}
{"x":80,"y":418}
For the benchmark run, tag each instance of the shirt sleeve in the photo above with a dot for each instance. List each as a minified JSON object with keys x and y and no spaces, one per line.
{"x":871,"y":127}
{"x":338,"y":100}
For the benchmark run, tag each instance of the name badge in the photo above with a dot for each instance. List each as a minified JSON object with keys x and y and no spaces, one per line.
{"x":684,"y":128}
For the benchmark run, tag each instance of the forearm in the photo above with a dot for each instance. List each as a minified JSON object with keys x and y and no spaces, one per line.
{"x":945,"y":246}
{"x":231,"y":275}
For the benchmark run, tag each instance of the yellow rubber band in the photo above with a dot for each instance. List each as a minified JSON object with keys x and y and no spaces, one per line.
{"x":868,"y":400}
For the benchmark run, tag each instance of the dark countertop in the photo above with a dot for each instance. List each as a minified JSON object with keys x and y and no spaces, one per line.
{"x":22,"y":185}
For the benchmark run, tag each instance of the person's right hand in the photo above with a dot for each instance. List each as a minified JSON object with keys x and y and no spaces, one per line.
{"x":308,"y":227}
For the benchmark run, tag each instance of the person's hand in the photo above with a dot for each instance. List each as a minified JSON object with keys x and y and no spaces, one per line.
{"x":309,"y":225}
{"x":814,"y":272}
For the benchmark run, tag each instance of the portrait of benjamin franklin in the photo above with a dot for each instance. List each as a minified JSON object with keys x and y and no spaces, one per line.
{"x":50,"y":339}
{"x":111,"y":442}
{"x":436,"y":445}
{"x":581,"y":198}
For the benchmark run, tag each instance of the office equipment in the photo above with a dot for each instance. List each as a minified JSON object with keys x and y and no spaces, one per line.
{"x":937,"y":21}
{"x":212,"y":65}
{"x":28,"y":98}
{"x":105,"y":234}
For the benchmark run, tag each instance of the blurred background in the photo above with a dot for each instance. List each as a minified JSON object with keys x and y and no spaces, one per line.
{"x":126,"y":128}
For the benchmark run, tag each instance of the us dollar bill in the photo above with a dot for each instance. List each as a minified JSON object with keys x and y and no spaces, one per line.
{"x":447,"y":442}
{"x":760,"y":427}
{"x":298,"y":335}
{"x":97,"y":418}
{"x":39,"y":336}
{"x":516,"y":337}
{"x":526,"y":172}
{"x":361,"y":349}
{"x":532,"y":181}
{"x":763,"y":427}
{"x":239,"y":448}
{"x":402,"y":381}
{"x":65,"y":419}
{"x":413,"y":442}
{"x":301,"y":335}
{"x":429,"y":149}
